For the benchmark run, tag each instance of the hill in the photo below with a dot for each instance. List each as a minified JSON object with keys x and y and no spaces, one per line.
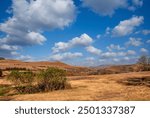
{"x":6,"y":65}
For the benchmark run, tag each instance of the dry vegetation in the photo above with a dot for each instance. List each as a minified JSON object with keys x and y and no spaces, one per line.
{"x":94,"y":87}
{"x":128,"y":82}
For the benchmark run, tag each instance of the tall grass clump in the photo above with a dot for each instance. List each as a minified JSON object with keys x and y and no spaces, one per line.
{"x":52,"y":79}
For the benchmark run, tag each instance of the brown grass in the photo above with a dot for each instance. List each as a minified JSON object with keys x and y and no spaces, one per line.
{"x":94,"y":87}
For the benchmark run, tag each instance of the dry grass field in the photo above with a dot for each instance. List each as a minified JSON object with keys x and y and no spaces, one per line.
{"x":94,"y":87}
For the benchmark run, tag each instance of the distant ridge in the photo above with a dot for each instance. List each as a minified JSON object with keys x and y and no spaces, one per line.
{"x":8,"y":63}
{"x":2,"y":58}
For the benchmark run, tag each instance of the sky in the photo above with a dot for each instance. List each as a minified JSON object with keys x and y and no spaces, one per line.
{"x":77,"y":32}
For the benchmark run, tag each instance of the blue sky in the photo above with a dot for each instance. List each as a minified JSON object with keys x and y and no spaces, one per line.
{"x":78,"y":32}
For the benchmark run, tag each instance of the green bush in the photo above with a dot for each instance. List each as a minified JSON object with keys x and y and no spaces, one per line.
{"x":52,"y":79}
{"x":1,"y":73}
{"x":21,"y":78}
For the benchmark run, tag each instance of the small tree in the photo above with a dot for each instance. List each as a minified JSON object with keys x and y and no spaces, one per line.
{"x":144,"y":63}
{"x":149,"y":61}
{"x":143,"y":60}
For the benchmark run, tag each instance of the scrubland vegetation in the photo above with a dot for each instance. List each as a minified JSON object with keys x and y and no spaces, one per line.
{"x":127,"y":82}
{"x":46,"y":80}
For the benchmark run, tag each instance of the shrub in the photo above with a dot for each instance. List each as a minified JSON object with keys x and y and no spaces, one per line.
{"x":21,"y":78}
{"x":27,"y":89}
{"x":47,"y":80}
{"x":52,"y":79}
{"x":1,"y":73}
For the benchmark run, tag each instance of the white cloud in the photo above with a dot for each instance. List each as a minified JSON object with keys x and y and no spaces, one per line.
{"x":105,"y":7}
{"x":126,"y":58}
{"x":148,"y":41}
{"x":108,"y":7}
{"x":107,"y":31}
{"x":47,"y":14}
{"x":121,"y":53}
{"x":127,"y":27}
{"x":83,"y":40}
{"x":146,"y":32}
{"x":138,"y":3}
{"x":114,"y":47}
{"x":65,"y":56}
{"x":130,"y":52}
{"x":8,"y":51}
{"x":109,"y":54}
{"x":8,"y":47}
{"x":98,"y":36}
{"x":143,"y":50}
{"x":117,"y":54}
{"x":90,"y":59}
{"x":36,"y":37}
{"x":116,"y":60}
{"x":134,"y":42}
{"x":30,"y":18}
{"x":93,"y":50}
{"x":25,"y":58}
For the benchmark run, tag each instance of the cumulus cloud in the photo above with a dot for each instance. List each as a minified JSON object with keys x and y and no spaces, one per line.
{"x":65,"y":56}
{"x":105,"y":7}
{"x":130,"y":52}
{"x":134,"y":42}
{"x":25,"y":58}
{"x":127,"y":27}
{"x":143,"y":50}
{"x":109,"y":54}
{"x":108,"y":7}
{"x":148,"y":41}
{"x":146,"y":32}
{"x":83,"y":40}
{"x":93,"y":50}
{"x":115,"y":47}
{"x":7,"y":51}
{"x":137,"y":2}
{"x":107,"y":31}
{"x":90,"y":59}
{"x":47,"y":14}
{"x":98,"y":36}
{"x":31,"y":17}
{"x":117,"y":54}
{"x":116,"y":60}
